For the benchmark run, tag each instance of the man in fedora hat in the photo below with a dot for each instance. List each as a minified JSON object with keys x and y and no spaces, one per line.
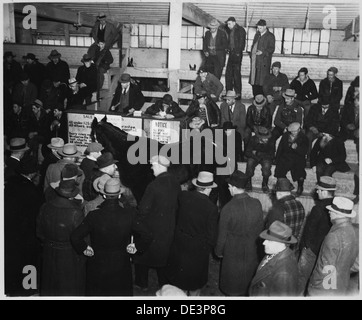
{"x":166,"y":108}
{"x":260,"y":150}
{"x":331,"y":87}
{"x":16,"y":124}
{"x":104,"y":31}
{"x":53,"y":92}
{"x":12,"y":70}
{"x":25,"y":93}
{"x":331,"y":275}
{"x":63,"y":270}
{"x":206,"y":81}
{"x":35,"y":70}
{"x":258,"y":115}
{"x":128,"y":96}
{"x":57,"y":66}
{"x":274,"y":85}
{"x":241,"y":221}
{"x":277,"y":273}
{"x":236,"y":46}
{"x":288,"y":112}
{"x":305,"y":89}
{"x":287,"y":209}
{"x":87,"y":78}
{"x":195,"y":236}
{"x":110,"y":226}
{"x":157,"y":210}
{"x":205,"y":108}
{"x":261,"y":55}
{"x":214,"y":47}
{"x":328,"y":154}
{"x":316,"y":227}
{"x":234,"y":111}
{"x":69,"y":154}
{"x":18,"y":148}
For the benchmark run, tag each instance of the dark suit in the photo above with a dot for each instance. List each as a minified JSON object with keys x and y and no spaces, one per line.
{"x":212,"y":109}
{"x":135,"y":98}
{"x":237,"y":117}
{"x":89,"y":77}
{"x":334,"y":91}
{"x":110,"y":33}
{"x":174,"y":109}
{"x":60,"y":69}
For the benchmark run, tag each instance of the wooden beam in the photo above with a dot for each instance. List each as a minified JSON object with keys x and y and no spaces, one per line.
{"x":196,"y":15}
{"x":52,"y":12}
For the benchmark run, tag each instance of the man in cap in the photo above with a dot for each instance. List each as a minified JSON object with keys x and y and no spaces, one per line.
{"x":58,"y":67}
{"x":261,"y":55}
{"x":316,"y":228}
{"x":287,"y":113}
{"x":328,"y":154}
{"x":234,"y":111}
{"x":87,"y":78}
{"x":157,"y":210}
{"x":241,"y":221}
{"x":214,"y":47}
{"x":331,"y":275}
{"x":166,"y":108}
{"x":274,"y":85}
{"x":236,"y":46}
{"x":277,"y":274}
{"x":35,"y":70}
{"x":258,"y":115}
{"x":74,"y":98}
{"x":92,"y":153}
{"x":287,"y":209}
{"x":195,"y":236}
{"x":12,"y":70}
{"x":104,"y":31}
{"x":128,"y":96}
{"x":260,"y":150}
{"x":332,"y":87}
{"x":291,"y":154}
{"x":204,"y":108}
{"x":25,"y":93}
{"x":305,"y":89}
{"x":209,"y":83}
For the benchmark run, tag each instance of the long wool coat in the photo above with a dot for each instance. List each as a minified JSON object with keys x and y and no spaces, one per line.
{"x":195,"y":237}
{"x":241,"y":221}
{"x":157,"y":211}
{"x":63,"y":271}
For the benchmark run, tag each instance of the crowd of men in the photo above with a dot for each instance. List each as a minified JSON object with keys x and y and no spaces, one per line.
{"x":70,"y":216}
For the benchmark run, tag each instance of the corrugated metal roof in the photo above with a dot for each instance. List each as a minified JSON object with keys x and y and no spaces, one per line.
{"x":277,"y":14}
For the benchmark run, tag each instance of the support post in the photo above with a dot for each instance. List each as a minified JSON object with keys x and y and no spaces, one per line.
{"x":9,"y":23}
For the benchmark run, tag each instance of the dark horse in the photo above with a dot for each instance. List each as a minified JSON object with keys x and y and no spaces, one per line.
{"x":135,"y":176}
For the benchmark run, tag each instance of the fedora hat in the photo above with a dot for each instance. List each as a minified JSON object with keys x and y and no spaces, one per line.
{"x":261,"y":22}
{"x":9,"y":54}
{"x":67,"y":189}
{"x":99,"y":183}
{"x":101,"y":15}
{"x":342,"y":206}
{"x":279,"y":232}
{"x":112,"y":187}
{"x":213,"y":24}
{"x":294,"y":126}
{"x":283,"y":184}
{"x":259,"y":100}
{"x":201,"y":70}
{"x":204,"y":179}
{"x":70,"y":171}
{"x":124,"y":78}
{"x":290,"y":93}
{"x":56,"y":143}
{"x":167,"y":99}
{"x":326,"y":183}
{"x":54,"y":54}
{"x":238,"y":179}
{"x":263,"y":133}
{"x":30,"y":56}
{"x":105,"y":160}
{"x":18,"y":144}
{"x":228,"y":125}
{"x":69,"y":150}
{"x":86,"y":57}
{"x":230,"y":94}
{"x":160,"y":160}
{"x":201,"y":94}
{"x":94,"y":147}
{"x":196,"y":123}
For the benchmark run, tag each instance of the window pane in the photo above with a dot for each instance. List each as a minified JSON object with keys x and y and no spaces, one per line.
{"x":297,"y":35}
{"x":157,"y":30}
{"x":165,"y":31}
{"x":288,"y":34}
{"x":315,"y":35}
{"x":183,"y":43}
{"x":149,"y":42}
{"x":191,"y":31}
{"x":305,"y":47}
{"x":142,"y":41}
{"x":307,"y":35}
{"x":62,"y":42}
{"x":191,"y":43}
{"x":142,"y":30}
{"x":51,"y":42}
{"x":80,"y":41}
{"x":278,"y":33}
{"x":278,"y":47}
{"x":325,"y":35}
{"x":157,"y":42}
{"x":288,"y":47}
{"x":149,"y":30}
{"x":314,"y":47}
{"x":165,"y":42}
{"x":134,"y":29}
{"x":88,"y":41}
{"x":134,"y":41}
{"x":73,"y":41}
{"x":199,"y":31}
{"x":184,"y":31}
{"x":323,"y":49}
{"x":198,"y":43}
{"x":39,"y":41}
{"x":296,"y":47}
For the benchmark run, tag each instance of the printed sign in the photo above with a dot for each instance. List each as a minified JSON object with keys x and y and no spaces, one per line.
{"x":164,"y":131}
{"x":129,"y":124}
{"x":79,"y":129}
